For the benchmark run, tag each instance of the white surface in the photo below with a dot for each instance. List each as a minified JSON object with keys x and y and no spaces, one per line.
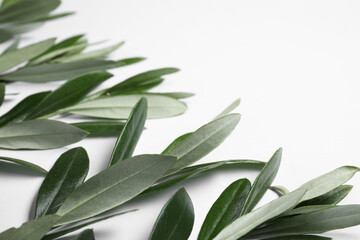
{"x":293,"y":63}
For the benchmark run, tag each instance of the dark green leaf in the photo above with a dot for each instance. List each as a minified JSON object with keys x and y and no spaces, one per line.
{"x":6,"y":3}
{"x":69,"y":93}
{"x":68,"y":172}
{"x":31,"y":230}
{"x":55,"y":16}
{"x":248,"y":222}
{"x":22,"y":109}
{"x":332,"y":197}
{"x":63,"y":71}
{"x":39,"y":134}
{"x":225,"y":209}
{"x":2,"y":92}
{"x":262,"y":182}
{"x":16,"y":57}
{"x":27,"y":10}
{"x":87,"y":234}
{"x":203,"y":141}
{"x":24,"y":163}
{"x":5,"y":35}
{"x":126,"y":142}
{"x":316,"y":222}
{"x":307,"y":209}
{"x":176,"y":219}
{"x":192,"y":171}
{"x":139,"y":80}
{"x":63,"y":232}
{"x":101,"y":128}
{"x":114,"y":186}
{"x":119,"y":107}
{"x":65,"y":43}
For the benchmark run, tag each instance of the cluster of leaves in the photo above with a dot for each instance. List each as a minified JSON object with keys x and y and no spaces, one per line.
{"x":20,"y":16}
{"x":311,"y":209}
{"x":65,"y":199}
{"x":26,"y":125}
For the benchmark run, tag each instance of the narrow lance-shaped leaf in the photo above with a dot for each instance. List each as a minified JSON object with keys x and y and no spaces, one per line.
{"x":31,"y":230}
{"x":14,"y":46}
{"x":101,"y":128}
{"x":176,"y":219}
{"x":64,"y":71}
{"x":203,"y":141}
{"x":193,"y":171}
{"x":26,"y":11}
{"x":332,"y":197}
{"x":126,"y":142}
{"x":176,"y":142}
{"x":97,"y":54}
{"x":113,"y":187}
{"x":138,"y":80}
{"x":68,"y":172}
{"x":306,"y":209}
{"x":225,"y":209}
{"x":120,"y":107}
{"x":22,"y":109}
{"x":248,"y":222}
{"x":229,"y":109}
{"x":16,"y":57}
{"x":69,"y":94}
{"x":39,"y":134}
{"x":2,"y":93}
{"x":262,"y":182}
{"x":87,"y":234}
{"x":24,"y":163}
{"x":317,"y":222}
{"x":327,"y":182}
{"x":65,"y":43}
{"x":62,"y":232}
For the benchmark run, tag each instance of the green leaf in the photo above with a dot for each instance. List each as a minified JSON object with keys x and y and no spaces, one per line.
{"x":248,"y":222}
{"x":31,"y":230}
{"x":63,"y":71}
{"x":98,"y":54}
{"x":69,"y":93}
{"x":176,"y":95}
{"x":333,"y":197}
{"x":262,"y":182}
{"x":14,"y":46}
{"x":68,"y":172}
{"x":6,"y":3}
{"x":26,"y":11}
{"x":307,"y":209}
{"x":225,"y":209}
{"x":63,"y":232}
{"x":300,"y":237}
{"x":2,"y":92}
{"x":21,"y":28}
{"x":327,"y":182}
{"x":113,"y":187}
{"x":101,"y":128}
{"x":5,"y":35}
{"x":316,"y":222}
{"x":55,"y":16}
{"x":229,"y":109}
{"x":129,"y":137}
{"x":16,"y":57}
{"x":176,"y":219}
{"x":203,"y":141}
{"x":22,"y":109}
{"x":119,"y":107}
{"x":39,"y":134}
{"x":192,"y":171}
{"x":24,"y":163}
{"x":87,"y":234}
{"x":279,"y":190}
{"x":176,"y":142}
{"x":139,"y":80}
{"x":71,"y":41}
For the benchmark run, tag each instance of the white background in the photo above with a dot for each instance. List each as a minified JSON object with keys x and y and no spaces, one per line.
{"x":294,"y":64}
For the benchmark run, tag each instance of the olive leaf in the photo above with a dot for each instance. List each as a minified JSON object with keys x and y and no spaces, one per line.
{"x":69,"y":93}
{"x":24,"y":163}
{"x":229,"y":109}
{"x":39,"y":134}
{"x":22,"y":109}
{"x":128,"y":138}
{"x":119,"y":107}
{"x":14,"y":46}
{"x":101,"y":128}
{"x":113,"y":186}
{"x":262,"y":182}
{"x":176,"y":219}
{"x":31,"y":230}
{"x":225,"y":209}
{"x":68,"y":172}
